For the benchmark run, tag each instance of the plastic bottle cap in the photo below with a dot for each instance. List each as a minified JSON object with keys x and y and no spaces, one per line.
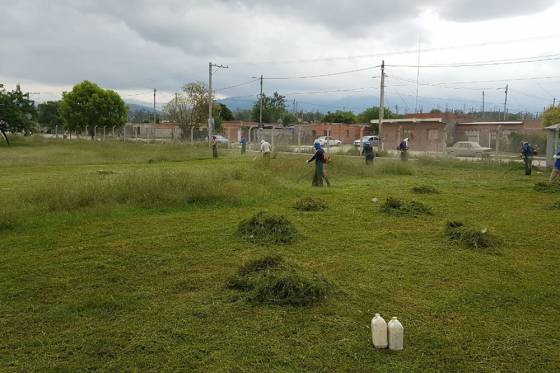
{"x":376,"y":315}
{"x":394,"y":318}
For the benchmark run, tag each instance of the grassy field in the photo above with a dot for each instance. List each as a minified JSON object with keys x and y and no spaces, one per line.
{"x":115,"y":257}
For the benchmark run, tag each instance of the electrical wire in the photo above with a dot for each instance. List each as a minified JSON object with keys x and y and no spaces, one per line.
{"x":401,"y":52}
{"x":553,"y":57}
{"x":324,"y":75}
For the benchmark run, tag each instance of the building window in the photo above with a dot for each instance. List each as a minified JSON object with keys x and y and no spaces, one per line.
{"x":347,"y":133}
{"x":473,"y":136}
{"x":314,"y":133}
{"x":325,"y":133}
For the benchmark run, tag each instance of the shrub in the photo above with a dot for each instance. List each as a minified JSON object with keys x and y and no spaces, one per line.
{"x":270,"y":280}
{"x":397,"y":207}
{"x":425,"y":189}
{"x":468,"y":237}
{"x":310,"y":204}
{"x":556,"y":205}
{"x":545,"y":187}
{"x":266,"y":228}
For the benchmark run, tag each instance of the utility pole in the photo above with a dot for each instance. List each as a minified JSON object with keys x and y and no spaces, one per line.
{"x":155,"y":90}
{"x":505,"y":102}
{"x":211,"y":98}
{"x":261,"y":104}
{"x":176,"y":108}
{"x":483,"y":97}
{"x":382,"y":102}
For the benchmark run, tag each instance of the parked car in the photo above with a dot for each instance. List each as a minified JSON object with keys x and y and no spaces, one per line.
{"x":221,"y":140}
{"x":373,"y":139}
{"x":327,"y":141}
{"x":468,"y":149}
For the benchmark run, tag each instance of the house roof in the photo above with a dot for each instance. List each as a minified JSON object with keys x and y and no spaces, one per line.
{"x":554,"y":127}
{"x":492,"y":123}
{"x":409,"y":120}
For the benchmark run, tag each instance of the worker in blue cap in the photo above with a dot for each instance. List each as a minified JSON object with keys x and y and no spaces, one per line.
{"x":320,"y":160}
{"x":527,"y":153}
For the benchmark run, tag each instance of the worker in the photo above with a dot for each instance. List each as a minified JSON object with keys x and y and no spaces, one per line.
{"x":320,"y":160}
{"x":527,"y":153}
{"x":265,"y":150}
{"x":555,"y":175}
{"x":368,"y":152}
{"x":243,"y":143}
{"x":214,"y":144}
{"x":403,"y":148}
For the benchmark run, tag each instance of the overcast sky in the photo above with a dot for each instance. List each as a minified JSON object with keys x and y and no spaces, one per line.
{"x":135,"y":46}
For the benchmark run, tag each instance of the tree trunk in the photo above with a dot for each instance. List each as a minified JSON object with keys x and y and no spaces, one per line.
{"x":5,"y":137}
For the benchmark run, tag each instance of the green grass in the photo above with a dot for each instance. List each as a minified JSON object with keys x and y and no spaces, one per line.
{"x":124,"y":269}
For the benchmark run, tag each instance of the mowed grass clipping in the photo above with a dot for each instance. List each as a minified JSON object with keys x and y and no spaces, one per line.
{"x":116,"y":257}
{"x":266,"y":228}
{"x":469,"y":237}
{"x":273,"y":281}
{"x":310,"y":204}
{"x":397,"y":207}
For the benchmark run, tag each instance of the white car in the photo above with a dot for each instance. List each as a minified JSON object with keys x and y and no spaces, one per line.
{"x":373,"y":139}
{"x":221,"y":140}
{"x":327,"y":141}
{"x":469,"y":149}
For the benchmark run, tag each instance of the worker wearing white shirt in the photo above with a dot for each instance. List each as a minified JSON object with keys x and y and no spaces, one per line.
{"x":265,"y":149}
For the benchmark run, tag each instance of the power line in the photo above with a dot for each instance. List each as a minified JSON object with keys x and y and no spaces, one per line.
{"x":552,"y":57}
{"x":238,"y":85}
{"x":401,"y":52}
{"x":323,"y":75}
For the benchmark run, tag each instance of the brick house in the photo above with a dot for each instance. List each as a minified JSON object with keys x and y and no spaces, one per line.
{"x":426,"y":134}
{"x":496,"y":134}
{"x":303,"y":134}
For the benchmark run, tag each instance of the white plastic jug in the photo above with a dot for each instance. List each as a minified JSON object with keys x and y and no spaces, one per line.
{"x":396,"y":335}
{"x":379,"y":331}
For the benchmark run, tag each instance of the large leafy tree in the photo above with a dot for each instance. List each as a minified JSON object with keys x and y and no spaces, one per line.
{"x":89,"y":105}
{"x":373,"y":113}
{"x":339,"y":116}
{"x":551,"y":116}
{"x":273,"y":109}
{"x":17,"y":112}
{"x":190,"y":108}
{"x":48,"y":114}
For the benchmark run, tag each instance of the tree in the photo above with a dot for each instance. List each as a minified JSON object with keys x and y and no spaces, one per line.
{"x":190,"y":108}
{"x":551,"y":116}
{"x":340,"y":117}
{"x":49,"y":115}
{"x":88,"y":106}
{"x":225,"y":112}
{"x":372,"y":113}
{"x":17,"y":112}
{"x":273,"y":109}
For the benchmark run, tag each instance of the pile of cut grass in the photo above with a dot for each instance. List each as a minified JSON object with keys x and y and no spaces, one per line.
{"x":272,"y":281}
{"x":424,"y":189}
{"x":545,"y":187}
{"x":267,"y":228}
{"x":469,"y":237}
{"x":310,"y":204}
{"x":397,"y":207}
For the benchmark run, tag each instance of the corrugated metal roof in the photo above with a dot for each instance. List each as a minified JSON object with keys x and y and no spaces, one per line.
{"x":491,"y":123}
